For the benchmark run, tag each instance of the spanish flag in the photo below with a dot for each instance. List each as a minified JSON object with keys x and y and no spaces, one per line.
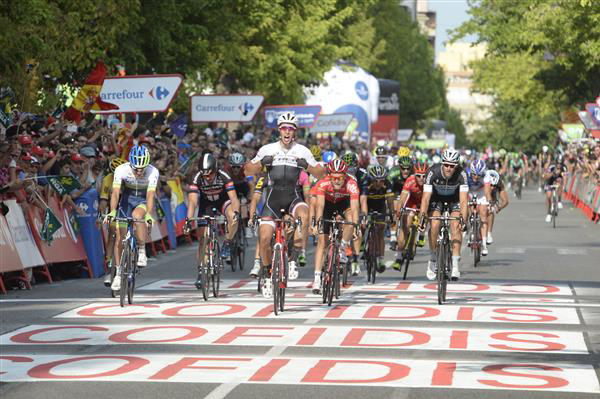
{"x":89,"y":96}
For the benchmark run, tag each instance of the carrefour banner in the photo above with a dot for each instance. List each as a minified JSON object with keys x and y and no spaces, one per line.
{"x":348,"y":89}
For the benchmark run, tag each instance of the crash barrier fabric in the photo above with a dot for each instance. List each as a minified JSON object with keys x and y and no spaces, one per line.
{"x":79,"y":239}
{"x":585,"y":195}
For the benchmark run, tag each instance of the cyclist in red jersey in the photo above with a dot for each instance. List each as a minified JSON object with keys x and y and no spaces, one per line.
{"x":337,"y":192}
{"x":412,"y":193}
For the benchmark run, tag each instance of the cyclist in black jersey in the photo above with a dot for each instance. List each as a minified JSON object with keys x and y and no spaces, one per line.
{"x":213,"y":189}
{"x":554,"y":175}
{"x":284,"y":161}
{"x":445,"y":183}
{"x":499,"y":201}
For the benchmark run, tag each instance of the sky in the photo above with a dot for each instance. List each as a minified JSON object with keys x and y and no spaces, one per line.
{"x":450,"y":14}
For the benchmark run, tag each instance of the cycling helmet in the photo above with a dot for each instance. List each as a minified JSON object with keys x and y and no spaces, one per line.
{"x":237,"y":159}
{"x":478,"y":167}
{"x":207,"y":163}
{"x":545,"y":148}
{"x":115,"y":163}
{"x":287,"y":118}
{"x":315,"y":150}
{"x":450,"y":155}
{"x":405,"y":162}
{"x":351,"y":159}
{"x":420,"y":167}
{"x":494,"y":177}
{"x":337,"y":166}
{"x":403,"y":152}
{"x":380,"y":151}
{"x":329,"y":156}
{"x":139,"y":157}
{"x":377,"y":172}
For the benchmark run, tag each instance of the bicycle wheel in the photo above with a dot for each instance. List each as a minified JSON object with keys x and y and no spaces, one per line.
{"x":411,"y":246}
{"x":336,"y":274}
{"x":275,"y":275}
{"x":345,"y":273}
{"x":476,"y":242}
{"x":124,"y":272}
{"x":113,"y":273}
{"x":554,"y":209}
{"x":131,"y":277}
{"x":331,"y":265}
{"x":373,"y":268}
{"x":519,"y":188}
{"x":216,"y":269}
{"x":203,"y":270}
{"x":441,"y":273}
{"x":283,"y":281}
{"x":241,"y":255}
{"x":234,"y":254}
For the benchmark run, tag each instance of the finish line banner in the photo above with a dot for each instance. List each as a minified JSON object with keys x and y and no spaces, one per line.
{"x":307,"y":114}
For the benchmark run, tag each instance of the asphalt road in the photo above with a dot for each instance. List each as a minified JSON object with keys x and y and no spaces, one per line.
{"x":524,"y":323}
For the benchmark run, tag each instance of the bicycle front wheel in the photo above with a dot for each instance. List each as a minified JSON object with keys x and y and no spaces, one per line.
{"x":124,"y":269}
{"x":131,"y":277}
{"x":476,"y":242}
{"x":441,"y":273}
{"x":275,"y":276}
{"x":216,"y":270}
{"x":336,"y":274}
{"x":283,"y":281}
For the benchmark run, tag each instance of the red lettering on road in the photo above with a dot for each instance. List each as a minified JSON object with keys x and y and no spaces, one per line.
{"x":374,"y":312}
{"x":355,"y":336}
{"x":476,"y":287}
{"x":237,"y":332}
{"x":514,"y":312}
{"x":547,"y":346}
{"x":123,"y":337}
{"x":25,"y":337}
{"x":443,"y":375}
{"x":187,"y":363}
{"x":498,"y":369}
{"x":267,"y":372}
{"x":44,"y":371}
{"x":459,"y":339}
{"x":231,"y":309}
{"x":319,"y":372}
{"x":91,"y":312}
{"x":403,"y":286}
{"x":465,"y":313}
{"x":311,"y":336}
{"x":16,"y":359}
{"x":336,"y":312}
{"x":547,"y":288}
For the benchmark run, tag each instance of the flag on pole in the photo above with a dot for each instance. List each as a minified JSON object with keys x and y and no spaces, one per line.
{"x":64,"y":184}
{"x":88,"y":96}
{"x":179,"y":125}
{"x":51,"y":225}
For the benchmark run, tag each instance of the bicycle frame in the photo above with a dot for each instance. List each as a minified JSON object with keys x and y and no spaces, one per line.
{"x":128,"y":260}
{"x":444,"y":252}
{"x":279,"y":263}
{"x":475,"y":239}
{"x":369,"y":238}
{"x":209,"y":256}
{"x":410,"y":241}
{"x":331,"y":275}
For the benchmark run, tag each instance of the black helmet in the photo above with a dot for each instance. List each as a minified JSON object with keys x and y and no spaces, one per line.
{"x":380,"y":151}
{"x":207,"y":163}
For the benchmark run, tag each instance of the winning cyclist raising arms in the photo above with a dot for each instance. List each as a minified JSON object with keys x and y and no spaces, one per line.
{"x":284,"y":161}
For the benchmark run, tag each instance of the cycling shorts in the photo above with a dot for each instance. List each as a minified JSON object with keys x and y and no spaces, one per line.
{"x":412,"y":203}
{"x":481,"y":199}
{"x":376,"y":205}
{"x":128,"y":202}
{"x":205,"y":207}
{"x":330,"y":208}
{"x":453,"y":206}
{"x":242,"y":190}
{"x":277,"y":200}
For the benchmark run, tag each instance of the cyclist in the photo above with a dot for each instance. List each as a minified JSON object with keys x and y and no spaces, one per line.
{"x":411,"y":196}
{"x":337,"y":192}
{"x":284,"y":160}
{"x":518,"y":167}
{"x":243,"y":189}
{"x":543,"y":159}
{"x":139,"y":180}
{"x":445,"y":182}
{"x":359,"y":174}
{"x":381,"y":156}
{"x":105,"y":190}
{"x":480,"y":187}
{"x":376,"y":195}
{"x":553,"y":176}
{"x":499,"y":200}
{"x":397,"y":177}
{"x":212,"y":189}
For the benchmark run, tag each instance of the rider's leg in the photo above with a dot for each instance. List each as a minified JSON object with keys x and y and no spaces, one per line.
{"x":434,"y":230}
{"x":456,"y":237}
{"x":232,"y":223}
{"x":265,"y":233}
{"x":483,"y":215}
{"x":301,"y":210}
{"x":141,"y":233}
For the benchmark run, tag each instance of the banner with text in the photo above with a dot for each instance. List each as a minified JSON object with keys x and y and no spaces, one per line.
{"x":307,"y":114}
{"x":224,"y":108}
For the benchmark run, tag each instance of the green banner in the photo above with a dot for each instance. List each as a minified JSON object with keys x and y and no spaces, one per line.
{"x":64,"y":184}
{"x":51,"y":225}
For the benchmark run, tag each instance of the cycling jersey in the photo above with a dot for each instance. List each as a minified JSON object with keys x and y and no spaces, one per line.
{"x":396,"y":179}
{"x":348,"y":191}
{"x":415,"y":192}
{"x":134,"y":188}
{"x":477,"y":188}
{"x":283,"y":175}
{"x":376,"y":195}
{"x":517,"y":164}
{"x":242,"y":186}
{"x":445,"y":189}
{"x":214,"y":193}
{"x":106,"y":186}
{"x":554,"y":177}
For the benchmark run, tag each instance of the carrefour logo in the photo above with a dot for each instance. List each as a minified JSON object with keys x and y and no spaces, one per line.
{"x":159,"y":93}
{"x":362,"y":90}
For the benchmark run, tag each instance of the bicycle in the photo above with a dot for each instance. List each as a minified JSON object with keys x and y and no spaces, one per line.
{"x":519,"y":185}
{"x":410,"y":245}
{"x":475,"y":241}
{"x":280,"y":259}
{"x":238,"y":248}
{"x":369,"y":243}
{"x":331,"y":275}
{"x":554,"y":205}
{"x":210,"y":262}
{"x":444,"y":252}
{"x":128,"y":265}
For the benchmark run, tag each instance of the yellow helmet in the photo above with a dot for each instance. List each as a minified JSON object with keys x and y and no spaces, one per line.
{"x":404,"y":152}
{"x":115,"y":163}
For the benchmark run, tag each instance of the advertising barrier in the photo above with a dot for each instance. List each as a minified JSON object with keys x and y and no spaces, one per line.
{"x":90,"y":233}
{"x":307,"y":114}
{"x":25,"y":244}
{"x":169,"y":221}
{"x":10,"y":260}
{"x":585,"y":195}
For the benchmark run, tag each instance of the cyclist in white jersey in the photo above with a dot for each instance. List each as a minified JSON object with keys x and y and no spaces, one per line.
{"x":133,"y":195}
{"x":284,"y":161}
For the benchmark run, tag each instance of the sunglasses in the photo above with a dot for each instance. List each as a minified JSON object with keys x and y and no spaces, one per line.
{"x":449,"y":165}
{"x":405,"y":169}
{"x":287,"y":129}
{"x":337,"y":177}
{"x":419,"y":175}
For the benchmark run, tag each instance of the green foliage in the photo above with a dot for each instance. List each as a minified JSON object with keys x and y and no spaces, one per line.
{"x":543,"y":57}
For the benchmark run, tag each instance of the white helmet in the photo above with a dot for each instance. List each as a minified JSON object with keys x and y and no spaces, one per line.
{"x":287,"y":118}
{"x":545,"y":148}
{"x":494,"y":177}
{"x":450,"y":155}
